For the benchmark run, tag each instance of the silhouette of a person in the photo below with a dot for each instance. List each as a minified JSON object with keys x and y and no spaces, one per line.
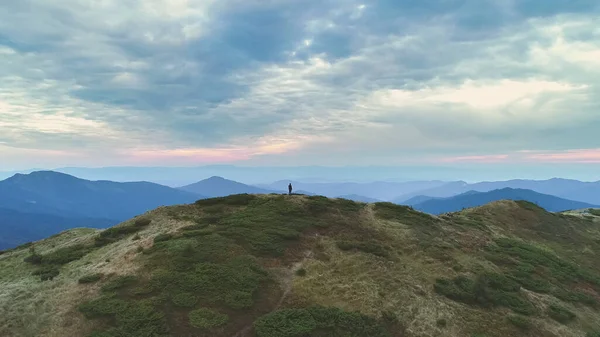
{"x":290,"y":188}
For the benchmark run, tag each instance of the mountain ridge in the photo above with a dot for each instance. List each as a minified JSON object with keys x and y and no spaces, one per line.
{"x":257,"y":265}
{"x":472,"y":199}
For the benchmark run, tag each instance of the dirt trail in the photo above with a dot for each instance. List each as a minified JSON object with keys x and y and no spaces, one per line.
{"x":286,"y":283}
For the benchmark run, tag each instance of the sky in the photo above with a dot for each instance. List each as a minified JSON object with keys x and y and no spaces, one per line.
{"x":95,"y":83}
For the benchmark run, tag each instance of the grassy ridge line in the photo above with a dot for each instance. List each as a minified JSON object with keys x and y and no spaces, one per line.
{"x":384,"y":263}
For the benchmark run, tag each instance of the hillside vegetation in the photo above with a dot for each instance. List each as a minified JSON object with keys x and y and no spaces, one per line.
{"x":287,"y":266}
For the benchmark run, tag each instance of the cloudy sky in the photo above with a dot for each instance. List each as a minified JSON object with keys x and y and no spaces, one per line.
{"x":299,"y":82}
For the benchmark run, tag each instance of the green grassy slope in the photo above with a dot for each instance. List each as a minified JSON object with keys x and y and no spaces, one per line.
{"x":277,"y":266}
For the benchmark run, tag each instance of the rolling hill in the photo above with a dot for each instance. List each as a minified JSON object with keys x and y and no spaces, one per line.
{"x":473,"y":199}
{"x":283,"y":266}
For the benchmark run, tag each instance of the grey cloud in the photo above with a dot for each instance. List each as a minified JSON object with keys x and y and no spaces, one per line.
{"x":224,"y":84}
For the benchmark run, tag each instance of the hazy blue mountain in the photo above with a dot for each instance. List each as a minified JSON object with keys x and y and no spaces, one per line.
{"x":360,"y":198}
{"x":67,"y":196}
{"x":422,"y":198}
{"x":180,"y":176}
{"x":473,"y":199}
{"x":220,"y":187}
{"x":565,"y":188}
{"x":17,"y":228}
{"x":380,"y":190}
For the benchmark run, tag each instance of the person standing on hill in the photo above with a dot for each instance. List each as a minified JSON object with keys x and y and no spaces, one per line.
{"x":290,"y":189}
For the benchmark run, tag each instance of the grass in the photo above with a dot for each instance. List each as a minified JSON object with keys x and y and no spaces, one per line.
{"x":239,"y":257}
{"x":542,"y":271}
{"x":594,"y":211}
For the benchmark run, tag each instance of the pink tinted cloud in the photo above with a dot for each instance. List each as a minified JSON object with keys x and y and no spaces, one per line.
{"x":252,"y":148}
{"x":568,"y":156}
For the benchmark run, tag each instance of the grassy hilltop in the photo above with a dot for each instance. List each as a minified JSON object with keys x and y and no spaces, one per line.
{"x":297,"y":266}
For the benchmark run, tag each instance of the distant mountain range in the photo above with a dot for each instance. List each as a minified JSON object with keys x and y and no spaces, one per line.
{"x":43,"y":203}
{"x":378,"y":190}
{"x":470,"y":199}
{"x":588,"y":192}
{"x":46,"y":202}
{"x":355,"y":197}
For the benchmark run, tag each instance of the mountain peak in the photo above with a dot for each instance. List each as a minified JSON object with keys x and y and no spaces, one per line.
{"x":45,"y":175}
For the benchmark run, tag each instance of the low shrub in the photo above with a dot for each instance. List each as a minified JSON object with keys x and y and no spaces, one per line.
{"x":114,"y":234}
{"x":65,"y":255}
{"x":186,"y":300}
{"x":91,"y":278}
{"x":132,"y":318}
{"x":370,"y":247}
{"x":163,"y":237}
{"x":47,"y":272}
{"x":560,"y":314}
{"x":520,"y":322}
{"x":200,"y":232}
{"x":317,"y":321}
{"x":489,"y":289}
{"x":119,"y":282}
{"x":442,"y":323}
{"x":301,"y":272}
{"x":594,"y":211}
{"x":34,"y":258}
{"x":206,"y":318}
{"x":232,"y":200}
{"x":142,"y":222}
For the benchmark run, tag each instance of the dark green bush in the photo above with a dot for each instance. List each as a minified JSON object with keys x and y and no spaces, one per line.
{"x":200,"y":232}
{"x":560,"y":314}
{"x":119,"y":282}
{"x":487,"y":290}
{"x":47,"y":272}
{"x":370,"y":247}
{"x":593,"y":334}
{"x":594,"y":211}
{"x":206,"y":318}
{"x":34,"y":258}
{"x":520,"y":322}
{"x":136,"y":237}
{"x":91,"y":278}
{"x":301,"y":272}
{"x":317,"y":321}
{"x":142,"y":222}
{"x":186,"y":300}
{"x":442,"y":323}
{"x":194,"y":227}
{"x":163,"y":237}
{"x":132,"y":318}
{"x":232,"y":200}
{"x":65,"y":255}
{"x":115,"y":234}
{"x":285,"y":323}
